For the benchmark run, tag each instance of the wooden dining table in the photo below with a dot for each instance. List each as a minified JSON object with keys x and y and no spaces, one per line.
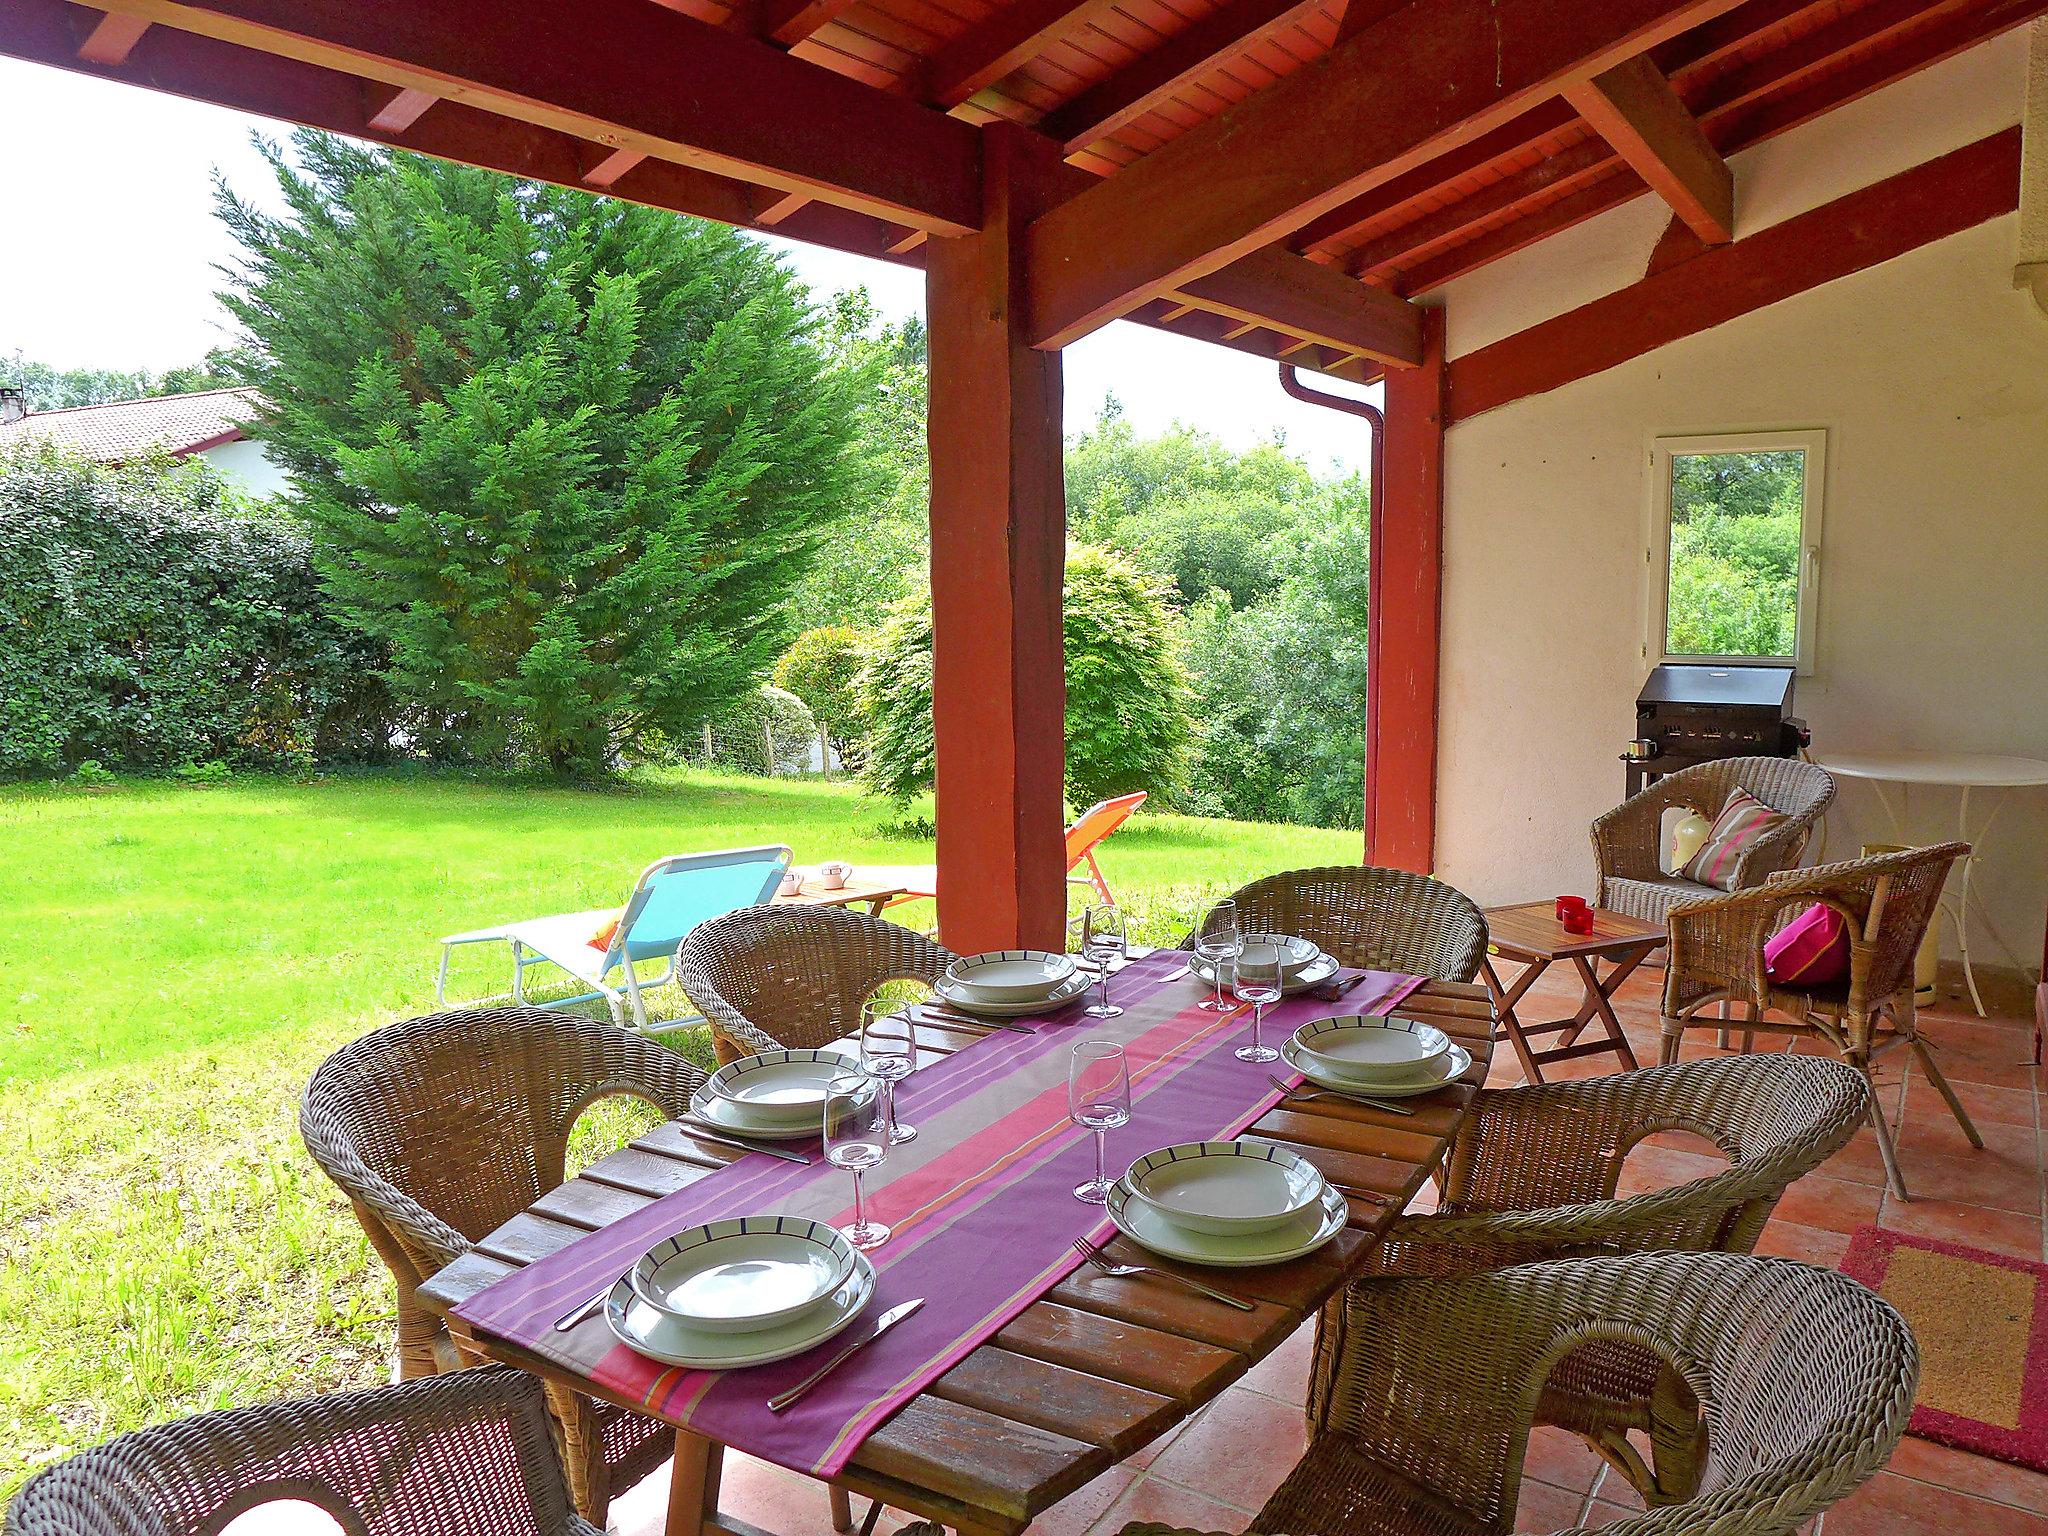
{"x":1096,"y":1369}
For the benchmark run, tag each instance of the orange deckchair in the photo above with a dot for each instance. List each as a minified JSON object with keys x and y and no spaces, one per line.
{"x":1089,"y":831}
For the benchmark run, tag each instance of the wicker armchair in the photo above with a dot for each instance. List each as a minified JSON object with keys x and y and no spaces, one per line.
{"x":1798,"y":1378}
{"x":1625,"y":839}
{"x":1717,"y":956}
{"x":794,"y":978}
{"x":1385,"y":919}
{"x":443,"y":1128}
{"x":461,"y":1455}
{"x":1532,"y":1173}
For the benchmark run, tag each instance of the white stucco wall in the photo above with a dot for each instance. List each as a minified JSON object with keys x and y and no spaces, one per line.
{"x":245,"y":465}
{"x":1930,"y":375}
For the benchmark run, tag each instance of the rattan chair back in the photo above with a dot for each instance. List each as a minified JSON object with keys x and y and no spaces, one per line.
{"x":1802,"y":1378}
{"x":467,"y":1454}
{"x":794,"y":978}
{"x":1384,"y":919}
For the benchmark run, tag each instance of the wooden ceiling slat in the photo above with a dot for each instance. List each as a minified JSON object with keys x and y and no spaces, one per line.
{"x":1005,"y":41}
{"x":1426,"y":78}
{"x":112,"y":39}
{"x":1761,"y":109}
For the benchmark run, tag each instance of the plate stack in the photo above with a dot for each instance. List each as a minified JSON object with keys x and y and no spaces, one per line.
{"x":743,"y":1291}
{"x":1011,"y":983}
{"x":1227,"y":1203}
{"x":775,"y":1096}
{"x":1387,"y":1058}
{"x":1302,"y":964}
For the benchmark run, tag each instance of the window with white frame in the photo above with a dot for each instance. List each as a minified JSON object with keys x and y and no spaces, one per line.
{"x":1734,"y":553}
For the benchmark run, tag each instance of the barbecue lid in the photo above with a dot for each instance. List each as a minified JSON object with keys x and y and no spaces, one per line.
{"x":1758,"y":687}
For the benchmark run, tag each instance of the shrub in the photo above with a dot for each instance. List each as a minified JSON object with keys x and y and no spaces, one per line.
{"x":91,"y":775}
{"x":1127,"y":695}
{"x":822,"y":667}
{"x":743,"y":733}
{"x":148,"y":618}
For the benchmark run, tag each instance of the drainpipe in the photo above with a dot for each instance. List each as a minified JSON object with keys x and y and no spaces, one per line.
{"x":1376,"y":422}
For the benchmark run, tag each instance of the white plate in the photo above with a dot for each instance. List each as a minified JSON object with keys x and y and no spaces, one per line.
{"x":1294,"y":1237}
{"x":664,"y":1338}
{"x":780,"y":1087}
{"x":1373,"y":1047}
{"x":1453,"y":1065}
{"x":743,"y":1274}
{"x":742,"y":1120}
{"x":1059,"y":997}
{"x":1226,"y":1186}
{"x":1296,"y":954}
{"x":1314,"y":974}
{"x":1009,"y":975}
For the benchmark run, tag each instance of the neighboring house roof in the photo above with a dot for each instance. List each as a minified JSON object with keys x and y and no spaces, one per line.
{"x":121,"y":430}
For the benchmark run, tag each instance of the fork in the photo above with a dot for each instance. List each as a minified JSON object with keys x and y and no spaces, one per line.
{"x":1115,"y":1271}
{"x":1287,"y":1091}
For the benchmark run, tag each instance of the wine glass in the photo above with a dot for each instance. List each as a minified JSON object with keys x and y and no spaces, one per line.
{"x":1102,"y":944}
{"x":1218,"y":941}
{"x":1098,"y":1098}
{"x":1255,"y":979}
{"x":890,"y":1054}
{"x":857,"y":1139}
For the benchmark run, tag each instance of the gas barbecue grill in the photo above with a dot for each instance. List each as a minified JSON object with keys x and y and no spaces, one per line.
{"x":1695,"y":712}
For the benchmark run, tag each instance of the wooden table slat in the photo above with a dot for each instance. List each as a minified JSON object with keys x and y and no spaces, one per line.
{"x":642,"y":1172}
{"x":981,"y":1458}
{"x":1150,"y":1358}
{"x":1110,"y":1414}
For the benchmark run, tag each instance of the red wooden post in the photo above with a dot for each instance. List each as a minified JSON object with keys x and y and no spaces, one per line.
{"x":998,"y":517}
{"x":1403,"y":621}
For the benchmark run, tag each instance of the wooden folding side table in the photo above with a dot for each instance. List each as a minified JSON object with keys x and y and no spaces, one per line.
{"x":1531,"y":934}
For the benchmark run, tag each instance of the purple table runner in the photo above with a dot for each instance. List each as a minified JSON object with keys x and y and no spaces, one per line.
{"x":981,"y":1203}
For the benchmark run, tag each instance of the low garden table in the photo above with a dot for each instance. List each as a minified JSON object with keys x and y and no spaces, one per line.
{"x":1082,"y":1378}
{"x":1531,"y":935}
{"x":874,"y":894}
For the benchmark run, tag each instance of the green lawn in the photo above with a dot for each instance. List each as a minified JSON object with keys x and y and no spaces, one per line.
{"x":175,"y":960}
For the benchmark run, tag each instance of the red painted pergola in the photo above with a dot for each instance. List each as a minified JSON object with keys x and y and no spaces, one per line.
{"x":1282,"y":177}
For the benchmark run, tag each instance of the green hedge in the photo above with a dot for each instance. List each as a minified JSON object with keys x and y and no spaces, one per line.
{"x":148,"y":619}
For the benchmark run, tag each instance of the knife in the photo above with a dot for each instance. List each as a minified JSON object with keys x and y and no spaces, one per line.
{"x":883,"y":1324}
{"x":1331,"y":994}
{"x":695,"y":1127}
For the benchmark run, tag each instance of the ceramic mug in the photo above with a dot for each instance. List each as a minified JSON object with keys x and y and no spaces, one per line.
{"x":792,"y":883}
{"x":833,"y":875}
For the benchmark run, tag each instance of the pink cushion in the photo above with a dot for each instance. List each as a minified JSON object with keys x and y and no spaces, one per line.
{"x":1810,"y":951}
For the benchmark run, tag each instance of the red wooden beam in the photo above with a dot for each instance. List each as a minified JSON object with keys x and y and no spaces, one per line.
{"x":1568,"y":169}
{"x":1011,"y":37}
{"x":1404,"y":616}
{"x":1311,"y":302}
{"x":111,"y":40}
{"x":1633,"y":107}
{"x":1886,"y":219}
{"x":394,"y":110}
{"x":789,"y":22}
{"x":638,"y":77}
{"x":1184,"y":57}
{"x":998,"y":524}
{"x":1428,"y":77}
{"x":1886,"y":41}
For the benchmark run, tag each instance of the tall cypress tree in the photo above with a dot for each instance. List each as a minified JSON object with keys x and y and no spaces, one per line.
{"x":564,"y":457}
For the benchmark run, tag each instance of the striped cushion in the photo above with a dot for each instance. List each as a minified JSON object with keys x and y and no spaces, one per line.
{"x":1742,"y":821}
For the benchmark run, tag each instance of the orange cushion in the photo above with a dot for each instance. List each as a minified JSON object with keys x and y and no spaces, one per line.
{"x":602,"y":939}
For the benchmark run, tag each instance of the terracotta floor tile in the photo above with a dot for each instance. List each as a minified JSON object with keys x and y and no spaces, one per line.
{"x":1975,"y":1226}
{"x":1984,"y":1103}
{"x":1543,"y":1508}
{"x":1238,"y":1450}
{"x":1977,"y":1051}
{"x":2005,"y":1174}
{"x":1809,"y":1245}
{"x":1147,"y":1498}
{"x":1079,"y":1510}
{"x":1600,"y":1513}
{"x":1562,"y":1459}
{"x":1926,"y":1462}
{"x":1284,"y":1373}
{"x":1144,"y":1456}
{"x":1890,"y":1505}
{"x":1834,"y":1205}
{"x":1859,"y":1161}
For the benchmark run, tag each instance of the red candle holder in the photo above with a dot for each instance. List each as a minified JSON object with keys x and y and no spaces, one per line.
{"x":1575,"y":915}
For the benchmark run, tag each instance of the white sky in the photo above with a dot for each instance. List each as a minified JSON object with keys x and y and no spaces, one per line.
{"x":108,"y":246}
